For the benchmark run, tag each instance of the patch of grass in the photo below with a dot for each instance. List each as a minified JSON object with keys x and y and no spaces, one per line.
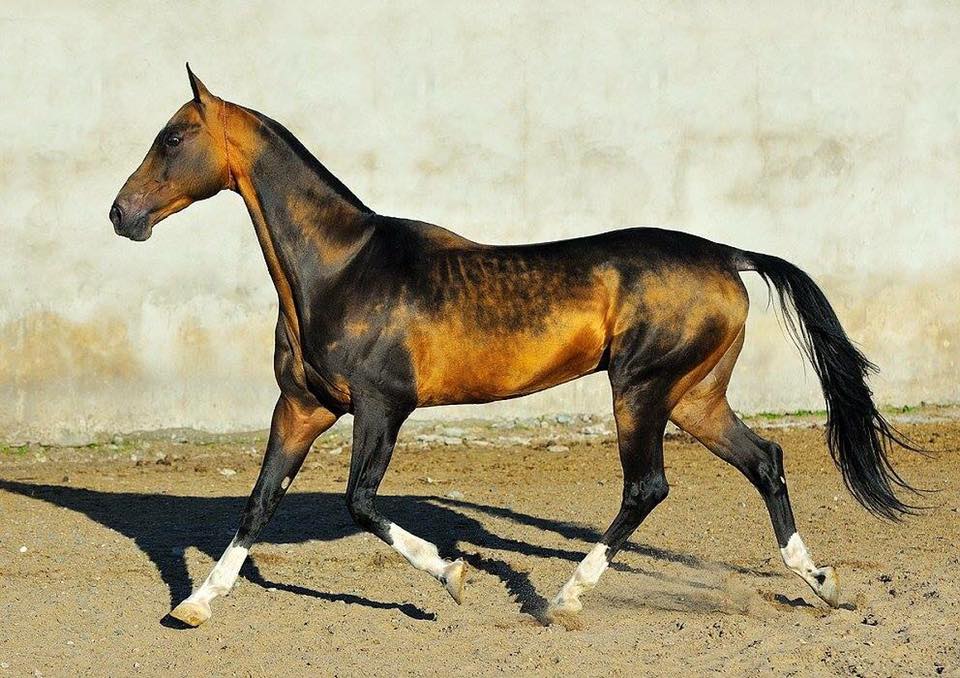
{"x":770,"y":416}
{"x":808,"y":413}
{"x":16,"y":450}
{"x":796,"y":413}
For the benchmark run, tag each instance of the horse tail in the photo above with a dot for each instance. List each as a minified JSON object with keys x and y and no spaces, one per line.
{"x":858,"y":436}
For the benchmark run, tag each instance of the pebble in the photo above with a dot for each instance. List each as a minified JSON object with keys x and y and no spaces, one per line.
{"x":335,"y":450}
{"x":434,"y":438}
{"x":595,"y":430}
{"x":69,"y":439}
{"x":227,"y":472}
{"x":23,"y":549}
{"x":558,"y":448}
{"x":455,"y":494}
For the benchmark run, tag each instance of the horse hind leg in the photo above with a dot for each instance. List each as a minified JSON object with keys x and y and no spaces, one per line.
{"x":643,"y":399}
{"x":640,"y":429}
{"x":704,"y":413}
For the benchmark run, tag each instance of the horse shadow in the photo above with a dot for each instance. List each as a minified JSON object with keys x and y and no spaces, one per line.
{"x":164,"y":526}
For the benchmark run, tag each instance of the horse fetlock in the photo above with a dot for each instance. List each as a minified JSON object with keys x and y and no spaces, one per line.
{"x":823,"y":580}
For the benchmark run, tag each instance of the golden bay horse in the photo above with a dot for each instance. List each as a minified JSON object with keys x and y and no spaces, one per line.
{"x":379,"y":316}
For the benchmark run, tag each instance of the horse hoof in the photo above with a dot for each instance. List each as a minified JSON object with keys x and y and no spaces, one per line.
{"x":190,"y":613}
{"x":828,"y":586}
{"x":565,"y":613}
{"x":454,"y":576}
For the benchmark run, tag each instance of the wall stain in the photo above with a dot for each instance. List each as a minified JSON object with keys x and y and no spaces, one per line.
{"x":44,"y":347}
{"x":796,"y":168}
{"x":194,"y":348}
{"x":779,"y":170}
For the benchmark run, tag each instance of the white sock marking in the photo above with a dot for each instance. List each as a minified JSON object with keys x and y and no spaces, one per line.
{"x":223,"y":575}
{"x":584,"y":578}
{"x":797,"y":558}
{"x":422,"y":554}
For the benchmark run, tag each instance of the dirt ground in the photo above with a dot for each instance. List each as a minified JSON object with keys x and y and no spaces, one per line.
{"x":97,"y":542}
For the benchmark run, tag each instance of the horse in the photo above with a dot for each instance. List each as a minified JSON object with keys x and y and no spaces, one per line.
{"x":379,"y":316}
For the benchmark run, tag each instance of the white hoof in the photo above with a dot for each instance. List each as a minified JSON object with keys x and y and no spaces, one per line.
{"x":826,"y":584}
{"x":191,"y":613}
{"x":453,"y":579}
{"x":565,"y":612}
{"x":566,"y":605}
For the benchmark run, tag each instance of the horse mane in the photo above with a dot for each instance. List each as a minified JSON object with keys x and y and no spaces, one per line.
{"x":287,"y":137}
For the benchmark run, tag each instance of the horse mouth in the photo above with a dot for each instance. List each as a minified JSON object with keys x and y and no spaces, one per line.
{"x":138,"y":229}
{"x":141,"y":235}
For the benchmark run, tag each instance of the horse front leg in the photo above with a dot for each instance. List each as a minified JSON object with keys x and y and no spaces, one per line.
{"x":292,"y":431}
{"x":374,"y":437}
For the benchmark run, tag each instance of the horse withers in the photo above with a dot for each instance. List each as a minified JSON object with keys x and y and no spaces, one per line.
{"x":379,"y":316}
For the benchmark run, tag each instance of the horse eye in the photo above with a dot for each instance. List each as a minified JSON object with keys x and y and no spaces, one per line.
{"x":173,"y":140}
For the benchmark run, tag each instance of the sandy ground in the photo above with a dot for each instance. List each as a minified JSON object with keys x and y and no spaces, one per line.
{"x":96,"y":542}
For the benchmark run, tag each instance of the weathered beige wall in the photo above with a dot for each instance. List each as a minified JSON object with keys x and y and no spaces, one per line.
{"x":829,"y":136}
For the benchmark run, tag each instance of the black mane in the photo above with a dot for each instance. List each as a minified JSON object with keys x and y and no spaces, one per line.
{"x":310,"y":160}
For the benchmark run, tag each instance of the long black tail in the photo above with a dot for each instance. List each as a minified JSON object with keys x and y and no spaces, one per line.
{"x":858,"y":436}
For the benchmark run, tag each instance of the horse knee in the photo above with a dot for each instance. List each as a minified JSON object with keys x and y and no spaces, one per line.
{"x":658,"y":488}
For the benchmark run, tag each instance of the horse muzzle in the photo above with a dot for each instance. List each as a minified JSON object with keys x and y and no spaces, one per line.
{"x":134,"y":225}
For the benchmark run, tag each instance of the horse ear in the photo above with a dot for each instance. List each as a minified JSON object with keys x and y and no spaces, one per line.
{"x":200,"y":92}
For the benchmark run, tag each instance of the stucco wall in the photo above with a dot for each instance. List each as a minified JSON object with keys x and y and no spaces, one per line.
{"x":828,"y":136}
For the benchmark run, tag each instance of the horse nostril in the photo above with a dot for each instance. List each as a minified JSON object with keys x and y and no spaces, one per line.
{"x":116,"y":215}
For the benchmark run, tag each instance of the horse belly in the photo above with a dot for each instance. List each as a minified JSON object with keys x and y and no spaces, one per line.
{"x":454,"y":362}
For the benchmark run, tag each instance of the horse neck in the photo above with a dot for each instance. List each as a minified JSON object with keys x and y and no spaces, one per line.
{"x":309,"y":224}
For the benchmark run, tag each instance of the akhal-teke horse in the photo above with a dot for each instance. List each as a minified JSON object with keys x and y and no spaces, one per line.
{"x":379,"y":316}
